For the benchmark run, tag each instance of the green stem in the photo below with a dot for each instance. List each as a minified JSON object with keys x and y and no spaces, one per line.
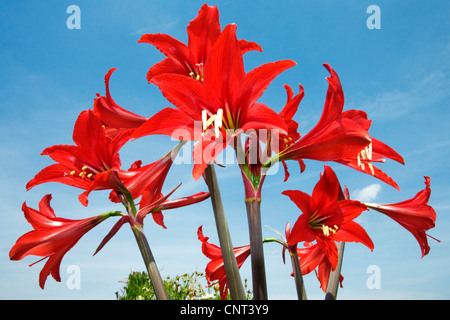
{"x":150,"y":264}
{"x":333,"y":282}
{"x":299,"y":285}
{"x":256,"y":245}
{"x":229,"y":258}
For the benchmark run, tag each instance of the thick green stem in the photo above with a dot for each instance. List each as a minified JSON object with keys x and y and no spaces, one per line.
{"x":229,"y":258}
{"x":150,"y":264}
{"x":299,"y":285}
{"x":256,"y":245}
{"x":333,"y":282}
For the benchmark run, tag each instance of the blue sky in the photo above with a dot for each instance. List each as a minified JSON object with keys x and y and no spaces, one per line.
{"x":399,"y":74}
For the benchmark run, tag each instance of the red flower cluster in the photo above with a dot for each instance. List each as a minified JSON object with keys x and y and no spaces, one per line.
{"x":93,"y":163}
{"x":216,"y":103}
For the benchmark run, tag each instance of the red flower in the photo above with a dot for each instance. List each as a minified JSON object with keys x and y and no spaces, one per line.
{"x":334,"y":137}
{"x":312,"y":258}
{"x":326,"y":218}
{"x":91,"y":164}
{"x":52,"y":237}
{"x":188,"y":60}
{"x":214,"y":111}
{"x":147,"y":182}
{"x":114,"y":118}
{"x":215,"y":270}
{"x":341,"y":137}
{"x":375,"y":152}
{"x":415,"y":215}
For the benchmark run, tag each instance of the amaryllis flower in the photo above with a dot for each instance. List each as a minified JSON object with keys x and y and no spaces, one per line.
{"x":91,"y":164}
{"x":342,"y":137}
{"x":415,"y":215}
{"x":214,"y":111}
{"x":147,"y":182}
{"x":114,"y":118}
{"x":375,"y":152}
{"x":203,"y":32}
{"x":215,"y":270}
{"x":52,"y":237}
{"x":313,"y":258}
{"x":326,"y":218}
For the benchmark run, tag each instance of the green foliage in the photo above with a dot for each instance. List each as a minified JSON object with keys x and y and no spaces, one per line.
{"x":185,"y":287}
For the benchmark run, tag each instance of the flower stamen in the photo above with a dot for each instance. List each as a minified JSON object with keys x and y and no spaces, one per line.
{"x":216,"y":118}
{"x":365,"y":157}
{"x":198,"y":75}
{"x":326,"y":230}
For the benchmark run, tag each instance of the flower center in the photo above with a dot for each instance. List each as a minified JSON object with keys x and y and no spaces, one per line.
{"x":216,"y":118}
{"x":83,"y":174}
{"x":198,"y":73}
{"x":288,"y":141}
{"x":329,"y":230}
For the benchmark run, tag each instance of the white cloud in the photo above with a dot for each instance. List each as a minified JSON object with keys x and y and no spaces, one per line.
{"x":367,"y":194}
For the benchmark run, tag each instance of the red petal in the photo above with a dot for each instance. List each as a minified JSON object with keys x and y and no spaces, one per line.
{"x":203,"y":31}
{"x":169,"y":121}
{"x":353,"y":232}
{"x":257,"y":80}
{"x":177,"y":51}
{"x":111,"y":113}
{"x":224,"y":68}
{"x":186,"y":93}
{"x":259,"y":116}
{"x":165,"y":66}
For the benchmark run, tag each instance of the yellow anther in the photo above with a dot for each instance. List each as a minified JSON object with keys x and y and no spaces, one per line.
{"x":89,"y":175}
{"x":84,"y":168}
{"x":326,"y":230}
{"x":72,"y":172}
{"x":195,"y":76}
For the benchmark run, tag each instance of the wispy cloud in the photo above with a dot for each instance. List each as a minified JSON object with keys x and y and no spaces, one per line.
{"x":163,"y":27}
{"x":427,"y":87}
{"x":367,"y":194}
{"x":391,"y":104}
